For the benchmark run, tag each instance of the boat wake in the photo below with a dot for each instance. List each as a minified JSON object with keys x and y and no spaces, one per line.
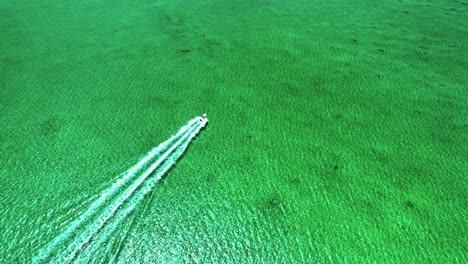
{"x":84,"y":238}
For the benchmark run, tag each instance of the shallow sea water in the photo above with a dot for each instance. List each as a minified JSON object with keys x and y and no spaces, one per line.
{"x":337,"y":131}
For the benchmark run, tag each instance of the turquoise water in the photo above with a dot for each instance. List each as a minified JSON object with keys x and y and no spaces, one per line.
{"x":83,"y":239}
{"x":338,"y":131}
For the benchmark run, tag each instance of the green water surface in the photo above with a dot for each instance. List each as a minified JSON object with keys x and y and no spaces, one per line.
{"x":338,"y":129}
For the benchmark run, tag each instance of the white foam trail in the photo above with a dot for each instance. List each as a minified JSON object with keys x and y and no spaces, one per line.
{"x":109,"y":211}
{"x":53,"y":247}
{"x":137,"y":198}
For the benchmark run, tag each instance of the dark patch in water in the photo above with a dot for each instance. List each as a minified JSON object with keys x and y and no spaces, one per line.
{"x":272,"y":206}
{"x":49,"y":127}
{"x":175,"y":27}
{"x":184,"y":51}
{"x":409,"y":204}
{"x":11,"y":61}
{"x":296,"y":181}
{"x":247,"y":159}
{"x":274,"y":202}
{"x":337,"y":116}
{"x":319,"y":86}
{"x":209,"y":47}
{"x":248,"y":139}
{"x":291,"y":90}
{"x":330,"y":172}
{"x":210,"y":178}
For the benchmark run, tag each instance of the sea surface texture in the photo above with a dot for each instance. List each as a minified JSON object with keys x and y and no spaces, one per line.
{"x":338,"y":131}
